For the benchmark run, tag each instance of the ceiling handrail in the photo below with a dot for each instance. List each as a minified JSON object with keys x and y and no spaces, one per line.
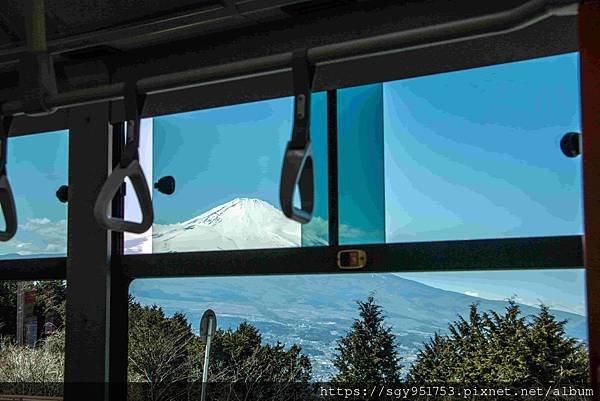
{"x":37,"y":78}
{"x":496,"y":23}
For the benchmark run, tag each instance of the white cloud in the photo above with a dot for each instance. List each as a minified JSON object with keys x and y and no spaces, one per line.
{"x":138,"y":243}
{"x":38,"y":236}
{"x":318,"y":229}
{"x":34,"y":223}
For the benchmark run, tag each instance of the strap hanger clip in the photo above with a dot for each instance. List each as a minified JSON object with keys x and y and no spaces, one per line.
{"x":298,"y":166}
{"x":129,"y":166}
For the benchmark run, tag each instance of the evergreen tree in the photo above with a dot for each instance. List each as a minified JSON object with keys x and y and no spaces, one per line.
{"x":434,"y":361}
{"x":507,"y":348}
{"x":552,"y":355}
{"x":367,"y":354}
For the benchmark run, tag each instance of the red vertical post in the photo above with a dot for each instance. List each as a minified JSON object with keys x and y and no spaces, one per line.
{"x":589,"y":47}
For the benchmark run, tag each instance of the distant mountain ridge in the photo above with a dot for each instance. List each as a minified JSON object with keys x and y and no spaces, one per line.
{"x":316,"y":310}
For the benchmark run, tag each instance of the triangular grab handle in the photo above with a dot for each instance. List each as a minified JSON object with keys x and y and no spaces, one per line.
{"x":8,"y":209}
{"x":298,"y":173}
{"x":298,"y":169}
{"x":7,"y":200}
{"x":138,"y":180}
{"x":129,"y":166}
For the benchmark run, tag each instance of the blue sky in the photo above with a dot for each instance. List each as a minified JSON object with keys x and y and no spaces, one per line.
{"x":560,"y":289}
{"x":220,"y":154}
{"x":475,"y":153}
{"x":37,"y":166}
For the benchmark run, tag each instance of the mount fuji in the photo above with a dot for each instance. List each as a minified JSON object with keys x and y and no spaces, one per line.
{"x":242,"y":223}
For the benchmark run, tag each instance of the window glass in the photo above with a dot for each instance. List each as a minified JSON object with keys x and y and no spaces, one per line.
{"x":324,"y":314}
{"x":476,"y":153}
{"x":316,"y":232}
{"x":37,"y":167}
{"x":361,"y":165}
{"x":227,"y":166}
{"x":470,"y":154}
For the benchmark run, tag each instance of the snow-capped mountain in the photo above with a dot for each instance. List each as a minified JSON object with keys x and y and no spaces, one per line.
{"x":242,"y":223}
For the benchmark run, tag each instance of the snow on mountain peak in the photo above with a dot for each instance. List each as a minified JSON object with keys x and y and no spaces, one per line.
{"x":239,"y":208}
{"x":242,"y":223}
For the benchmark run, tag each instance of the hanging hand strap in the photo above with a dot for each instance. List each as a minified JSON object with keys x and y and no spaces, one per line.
{"x":37,"y":78}
{"x":129,"y":166}
{"x":7,"y":201}
{"x":297,"y":168}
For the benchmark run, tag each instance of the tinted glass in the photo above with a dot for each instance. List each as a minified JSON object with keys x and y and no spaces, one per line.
{"x":361,"y":165}
{"x":37,"y":167}
{"x":316,"y":312}
{"x":227,"y":166}
{"x":476,"y":153}
{"x":463,"y":155}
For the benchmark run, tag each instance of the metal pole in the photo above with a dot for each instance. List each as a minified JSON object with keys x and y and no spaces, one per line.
{"x":35,"y":20}
{"x":332,"y":168}
{"x":206,"y":360}
{"x":118,"y":322}
{"x":20,"y":313}
{"x":477,"y":27}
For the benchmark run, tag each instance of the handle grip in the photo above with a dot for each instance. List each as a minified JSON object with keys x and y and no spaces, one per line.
{"x":297,"y":172}
{"x":101,"y":209}
{"x":8,"y":209}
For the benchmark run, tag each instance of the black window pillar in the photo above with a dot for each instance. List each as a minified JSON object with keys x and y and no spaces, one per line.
{"x":119,"y":288}
{"x":88,"y":257}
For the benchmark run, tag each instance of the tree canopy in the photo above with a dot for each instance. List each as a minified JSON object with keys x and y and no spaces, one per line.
{"x":509,"y":348}
{"x":367,"y":354}
{"x":168,"y":358}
